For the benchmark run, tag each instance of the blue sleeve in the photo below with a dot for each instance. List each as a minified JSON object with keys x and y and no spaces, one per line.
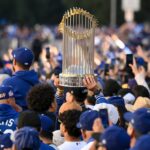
{"x":7,"y":81}
{"x":59,"y":100}
{"x":100,"y":99}
{"x":99,"y":96}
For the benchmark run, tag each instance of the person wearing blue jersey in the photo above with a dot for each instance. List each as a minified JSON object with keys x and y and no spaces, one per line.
{"x":23,"y":78}
{"x":139,"y":124}
{"x":8,"y":110}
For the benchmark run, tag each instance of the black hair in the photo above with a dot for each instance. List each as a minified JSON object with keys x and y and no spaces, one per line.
{"x":80,"y":94}
{"x":69,"y":119}
{"x":111,"y":87}
{"x":29,"y":118}
{"x":121,"y":122}
{"x":140,"y":90}
{"x":124,"y":91}
{"x":40,"y":97}
{"x":91,"y":100}
{"x":47,"y":135}
{"x":23,"y":66}
{"x":36,"y":48}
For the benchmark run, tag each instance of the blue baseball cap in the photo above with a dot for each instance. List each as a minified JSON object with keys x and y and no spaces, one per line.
{"x":115,"y":138}
{"x":23,"y":55}
{"x":6,"y":92}
{"x":47,"y":124}
{"x":5,"y":141}
{"x":140,"y":61}
{"x":87,"y":119}
{"x":117,"y":101}
{"x":27,"y":137}
{"x":140,"y":120}
{"x":142,"y":143}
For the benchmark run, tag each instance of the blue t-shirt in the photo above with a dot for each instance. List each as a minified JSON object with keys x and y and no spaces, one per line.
{"x":7,"y":118}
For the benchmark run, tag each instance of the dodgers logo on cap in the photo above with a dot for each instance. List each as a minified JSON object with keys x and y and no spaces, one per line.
{"x":6,"y":92}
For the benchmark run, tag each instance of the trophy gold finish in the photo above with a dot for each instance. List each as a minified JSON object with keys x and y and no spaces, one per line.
{"x":78,"y":28}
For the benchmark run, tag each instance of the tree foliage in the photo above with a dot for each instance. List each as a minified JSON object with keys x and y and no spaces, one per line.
{"x":99,"y":8}
{"x":32,"y":11}
{"x":51,"y":11}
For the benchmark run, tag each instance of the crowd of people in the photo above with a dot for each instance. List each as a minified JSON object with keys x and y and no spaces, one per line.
{"x":111,"y":111}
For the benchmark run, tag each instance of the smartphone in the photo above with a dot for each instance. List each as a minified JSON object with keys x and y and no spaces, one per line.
{"x":113,"y":63}
{"x":129,"y":60}
{"x":47,"y":53}
{"x":106,"y":69}
{"x":103,"y":113}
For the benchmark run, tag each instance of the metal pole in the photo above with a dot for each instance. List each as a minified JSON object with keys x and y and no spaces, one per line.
{"x":113,"y":10}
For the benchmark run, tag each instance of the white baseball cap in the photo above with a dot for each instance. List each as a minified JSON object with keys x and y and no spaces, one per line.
{"x":112,"y":111}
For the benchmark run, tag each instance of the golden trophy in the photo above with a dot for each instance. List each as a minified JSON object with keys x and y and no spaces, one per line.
{"x":78,"y":29}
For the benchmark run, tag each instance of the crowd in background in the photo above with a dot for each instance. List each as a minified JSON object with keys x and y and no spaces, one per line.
{"x":111,"y":44}
{"x":110,"y":113}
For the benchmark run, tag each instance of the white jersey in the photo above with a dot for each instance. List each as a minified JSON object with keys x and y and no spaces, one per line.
{"x":87,"y":146}
{"x":72,"y":145}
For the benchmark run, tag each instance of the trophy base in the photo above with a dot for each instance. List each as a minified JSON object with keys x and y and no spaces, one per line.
{"x":71,"y":80}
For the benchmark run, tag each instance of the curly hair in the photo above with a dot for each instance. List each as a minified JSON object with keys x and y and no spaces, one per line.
{"x":69,"y":119}
{"x":40,"y":97}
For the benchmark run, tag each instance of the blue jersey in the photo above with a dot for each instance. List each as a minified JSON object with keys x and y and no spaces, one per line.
{"x":21,"y":82}
{"x":7,"y":118}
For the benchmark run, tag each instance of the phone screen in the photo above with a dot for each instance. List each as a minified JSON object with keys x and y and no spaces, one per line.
{"x":129,"y":60}
{"x":103,"y":113}
{"x":106,"y":69}
{"x":47,"y":53}
{"x":113,"y":61}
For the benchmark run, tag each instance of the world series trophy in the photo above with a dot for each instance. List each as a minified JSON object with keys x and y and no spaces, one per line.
{"x":78,"y":29}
